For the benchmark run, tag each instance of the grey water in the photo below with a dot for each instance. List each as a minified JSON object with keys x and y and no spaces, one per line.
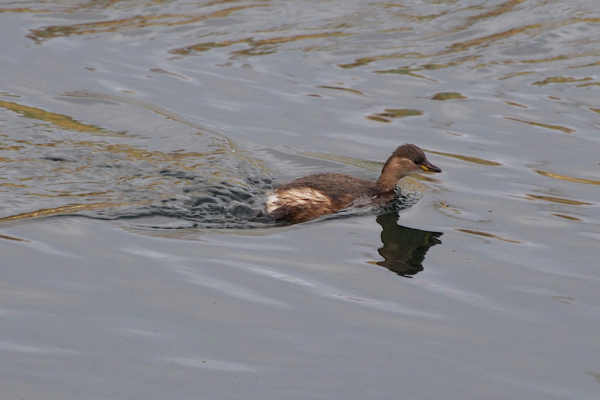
{"x":140,"y":139}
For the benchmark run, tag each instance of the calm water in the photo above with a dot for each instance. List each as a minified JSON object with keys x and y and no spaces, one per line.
{"x":139,"y":139}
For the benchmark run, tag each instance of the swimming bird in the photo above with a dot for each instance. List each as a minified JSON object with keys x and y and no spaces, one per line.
{"x":325,"y":193}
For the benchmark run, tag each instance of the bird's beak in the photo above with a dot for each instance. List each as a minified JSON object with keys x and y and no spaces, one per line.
{"x":430,"y":167}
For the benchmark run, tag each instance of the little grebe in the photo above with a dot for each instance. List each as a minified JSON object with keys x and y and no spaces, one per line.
{"x":320,"y":194}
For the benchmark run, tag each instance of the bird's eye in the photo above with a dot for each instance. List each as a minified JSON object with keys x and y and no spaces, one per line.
{"x":419,"y":162}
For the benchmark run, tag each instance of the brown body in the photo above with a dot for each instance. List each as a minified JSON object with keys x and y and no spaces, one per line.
{"x":320,"y":194}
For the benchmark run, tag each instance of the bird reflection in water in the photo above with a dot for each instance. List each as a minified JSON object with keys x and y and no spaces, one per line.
{"x":403,"y":248}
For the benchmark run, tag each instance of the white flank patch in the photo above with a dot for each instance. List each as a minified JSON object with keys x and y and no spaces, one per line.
{"x":272,"y":202}
{"x":296,"y":197}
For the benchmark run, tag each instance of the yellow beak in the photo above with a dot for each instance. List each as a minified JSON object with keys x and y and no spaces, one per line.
{"x":430,"y":168}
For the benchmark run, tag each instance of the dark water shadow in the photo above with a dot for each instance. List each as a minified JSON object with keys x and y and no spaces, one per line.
{"x":404,"y":248}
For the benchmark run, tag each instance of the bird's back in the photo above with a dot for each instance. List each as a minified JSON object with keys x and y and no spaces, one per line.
{"x":316,"y":195}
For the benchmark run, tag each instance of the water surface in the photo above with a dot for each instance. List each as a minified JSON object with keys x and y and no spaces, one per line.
{"x":139,"y":139}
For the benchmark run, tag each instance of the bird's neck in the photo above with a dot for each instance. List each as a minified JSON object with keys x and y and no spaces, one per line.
{"x":386,"y":183}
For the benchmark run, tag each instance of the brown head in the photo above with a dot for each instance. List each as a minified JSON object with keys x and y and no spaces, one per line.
{"x":407,"y":159}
